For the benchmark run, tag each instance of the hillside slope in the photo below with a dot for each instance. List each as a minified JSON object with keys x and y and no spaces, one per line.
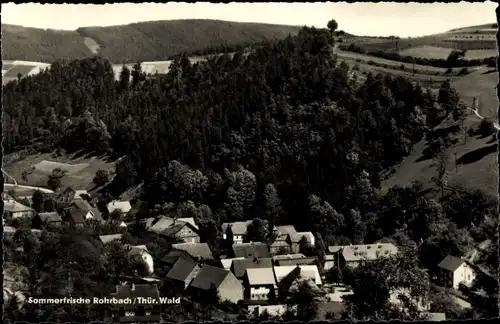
{"x":476,"y":156}
{"x":146,"y":41}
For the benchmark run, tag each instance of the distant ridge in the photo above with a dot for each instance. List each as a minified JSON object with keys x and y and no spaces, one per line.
{"x":144,"y":41}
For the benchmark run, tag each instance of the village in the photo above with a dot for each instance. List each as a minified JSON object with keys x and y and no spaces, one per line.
{"x":256,"y":275}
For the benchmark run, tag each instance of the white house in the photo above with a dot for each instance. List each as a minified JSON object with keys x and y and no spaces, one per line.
{"x":123,"y":206}
{"x":238,"y":230}
{"x":17,"y":210}
{"x":142,"y":253}
{"x":259,"y":283}
{"x":453,"y":271}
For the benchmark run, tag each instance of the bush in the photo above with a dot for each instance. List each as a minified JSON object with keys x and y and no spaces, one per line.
{"x":101,"y":177}
{"x":486,"y":127}
{"x":463,"y":71}
{"x":402,"y":67}
{"x":448,"y":71}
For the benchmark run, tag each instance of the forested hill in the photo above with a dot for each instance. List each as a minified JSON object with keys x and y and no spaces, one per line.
{"x":286,"y":114}
{"x":145,"y":41}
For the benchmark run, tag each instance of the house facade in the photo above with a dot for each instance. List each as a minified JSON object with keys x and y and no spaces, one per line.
{"x":453,"y":271}
{"x":137,"y":311}
{"x":235,"y":231}
{"x":15,"y":209}
{"x":259,"y":283}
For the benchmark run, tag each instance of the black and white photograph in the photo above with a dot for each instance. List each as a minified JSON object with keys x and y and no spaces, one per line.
{"x":174,"y":162}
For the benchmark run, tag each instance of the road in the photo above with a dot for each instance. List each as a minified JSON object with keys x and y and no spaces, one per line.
{"x":9,"y":176}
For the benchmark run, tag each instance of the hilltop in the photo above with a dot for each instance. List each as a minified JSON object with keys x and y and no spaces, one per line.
{"x":145,"y":41}
{"x":479,"y":41}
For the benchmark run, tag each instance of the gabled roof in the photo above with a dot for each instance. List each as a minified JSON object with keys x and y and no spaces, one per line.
{"x":15,"y":207}
{"x":81,"y":204}
{"x":182,"y":269}
{"x":174,"y":229}
{"x":196,"y":250}
{"x":261,"y":276}
{"x":251,"y":250}
{"x":108,"y":238}
{"x":209,"y":275}
{"x":227,"y":263}
{"x":50,"y":217}
{"x":76,"y":215}
{"x":173,"y":256}
{"x":241,"y":265}
{"x":138,"y":249}
{"x":296,"y":237}
{"x":306,"y":271}
{"x":189,"y":220}
{"x":238,"y":228}
{"x":451,"y":263}
{"x":286,"y":229}
{"x":365,"y":251}
{"x":124,"y":206}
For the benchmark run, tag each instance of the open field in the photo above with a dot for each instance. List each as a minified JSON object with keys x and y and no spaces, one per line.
{"x":434,"y":52}
{"x":79,"y":171}
{"x":478,"y":167}
{"x":422,"y":69}
{"x":480,"y":84}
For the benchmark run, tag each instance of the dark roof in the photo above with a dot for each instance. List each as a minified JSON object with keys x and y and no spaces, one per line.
{"x":81,"y":204}
{"x":209,"y":275}
{"x":172,"y":230}
{"x":251,"y":250}
{"x":196,"y":250}
{"x":173,"y":256}
{"x":240,"y":266}
{"x":50,"y":217}
{"x":182,"y":269}
{"x":451,"y":263}
{"x":296,"y":261}
{"x":76,"y":215}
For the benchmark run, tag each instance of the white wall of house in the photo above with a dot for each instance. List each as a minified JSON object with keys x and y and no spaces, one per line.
{"x":231,"y":289}
{"x":259,"y":293}
{"x":328,"y":265}
{"x":20,"y":214}
{"x":464,"y":274}
{"x":148,"y":259}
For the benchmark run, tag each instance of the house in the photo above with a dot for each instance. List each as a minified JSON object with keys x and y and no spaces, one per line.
{"x":182,"y":231}
{"x":353,"y":255}
{"x":140,"y":252}
{"x":15,"y":209}
{"x":259,"y":283}
{"x":453,"y":271}
{"x":250,"y":250}
{"x":287,"y":275}
{"x":141,"y":310}
{"x":295,"y":238}
{"x":122,"y":206}
{"x":46,"y":219}
{"x":240,"y":266}
{"x":9,"y":231}
{"x":280,"y":244}
{"x":224,"y":281}
{"x":236,"y":231}
{"x":286,"y":229}
{"x":161,"y":224}
{"x":329,"y":262}
{"x":198,"y":251}
{"x":109,"y":238}
{"x":80,"y":212}
{"x":227,"y":263}
{"x":182,"y":273}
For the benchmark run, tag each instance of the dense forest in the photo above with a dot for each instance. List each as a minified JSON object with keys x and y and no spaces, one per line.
{"x":144,"y":41}
{"x":285,"y":133}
